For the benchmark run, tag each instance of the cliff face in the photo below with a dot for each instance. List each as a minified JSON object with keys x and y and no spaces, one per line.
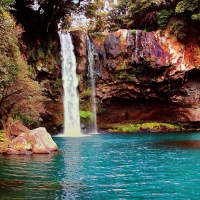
{"x":146,"y":77}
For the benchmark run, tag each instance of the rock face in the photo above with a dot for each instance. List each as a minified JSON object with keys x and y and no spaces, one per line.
{"x":35,"y":141}
{"x":147,"y":77}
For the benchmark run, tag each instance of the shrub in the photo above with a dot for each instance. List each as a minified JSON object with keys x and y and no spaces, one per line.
{"x":196,"y":16}
{"x":152,"y":59}
{"x":133,"y":31}
{"x":178,"y":27}
{"x":163,"y":18}
{"x":20,"y":95}
{"x":184,"y":5}
{"x":86,"y":116}
{"x":2,"y":136}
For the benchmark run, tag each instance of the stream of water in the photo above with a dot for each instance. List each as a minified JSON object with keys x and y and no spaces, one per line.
{"x":70,"y":83}
{"x":107,"y":166}
{"x":90,"y":50}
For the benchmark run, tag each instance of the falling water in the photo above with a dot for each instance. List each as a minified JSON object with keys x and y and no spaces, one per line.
{"x":92,"y":82}
{"x":35,"y":5}
{"x":70,"y":83}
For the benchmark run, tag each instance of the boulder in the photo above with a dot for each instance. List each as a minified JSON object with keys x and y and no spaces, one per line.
{"x":20,"y":143}
{"x":41,"y":141}
{"x":35,"y":141}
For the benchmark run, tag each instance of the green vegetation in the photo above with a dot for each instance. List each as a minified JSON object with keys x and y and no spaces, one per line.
{"x":57,"y":84}
{"x":123,"y":75}
{"x":19,"y":94}
{"x":133,"y":31}
{"x":2,"y":136}
{"x":95,"y":13}
{"x":157,"y":14}
{"x":87,"y":92}
{"x":152,"y":59}
{"x":196,"y":16}
{"x":4,"y":141}
{"x":86,"y":116}
{"x":132,"y":78}
{"x":178,"y":27}
{"x":163,"y":18}
{"x":42,"y":54}
{"x":151,"y":126}
{"x":186,"y":5}
{"x":5,"y":4}
{"x":98,"y":37}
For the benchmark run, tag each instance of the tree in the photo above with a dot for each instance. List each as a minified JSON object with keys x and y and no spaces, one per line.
{"x":96,"y":14}
{"x":189,"y":5}
{"x":20,"y":96}
{"x":5,"y":4}
{"x":117,"y":17}
{"x":151,"y":15}
{"x":45,"y":14}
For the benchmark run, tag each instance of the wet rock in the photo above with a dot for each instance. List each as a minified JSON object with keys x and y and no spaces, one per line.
{"x":79,"y":41}
{"x":111,"y":45}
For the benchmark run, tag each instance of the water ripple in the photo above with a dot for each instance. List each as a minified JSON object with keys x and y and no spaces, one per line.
{"x":148,"y":166}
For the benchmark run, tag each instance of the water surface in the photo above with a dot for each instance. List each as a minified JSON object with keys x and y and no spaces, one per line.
{"x":108,"y":166}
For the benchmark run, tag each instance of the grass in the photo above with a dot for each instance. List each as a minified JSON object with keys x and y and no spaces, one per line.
{"x":144,"y":127}
{"x":86,"y":114}
{"x":2,"y":136}
{"x":4,"y":141}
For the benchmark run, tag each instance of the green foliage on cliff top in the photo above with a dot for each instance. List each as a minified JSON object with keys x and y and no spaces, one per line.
{"x":151,"y":126}
{"x":152,"y":15}
{"x":186,"y":5}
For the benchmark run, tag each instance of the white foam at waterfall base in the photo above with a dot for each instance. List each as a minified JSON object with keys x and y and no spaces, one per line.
{"x":70,"y":83}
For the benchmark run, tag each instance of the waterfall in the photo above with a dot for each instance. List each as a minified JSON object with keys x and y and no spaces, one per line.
{"x":70,"y":83}
{"x":91,"y":63}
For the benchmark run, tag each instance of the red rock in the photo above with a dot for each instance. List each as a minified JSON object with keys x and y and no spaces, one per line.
{"x":150,"y":75}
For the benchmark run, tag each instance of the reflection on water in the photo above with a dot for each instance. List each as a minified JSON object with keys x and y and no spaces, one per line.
{"x":71,"y":172}
{"x":25,"y":177}
{"x":107,"y":166}
{"x":178,"y":144}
